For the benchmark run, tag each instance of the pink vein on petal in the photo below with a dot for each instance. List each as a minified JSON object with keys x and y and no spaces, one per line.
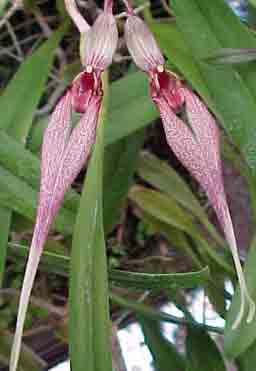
{"x":101,"y":42}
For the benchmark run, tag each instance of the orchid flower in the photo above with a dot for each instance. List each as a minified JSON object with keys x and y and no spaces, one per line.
{"x":196,"y":145}
{"x":65,"y":151}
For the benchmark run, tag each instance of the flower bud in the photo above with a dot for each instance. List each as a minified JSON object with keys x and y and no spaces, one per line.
{"x":100,"y":42}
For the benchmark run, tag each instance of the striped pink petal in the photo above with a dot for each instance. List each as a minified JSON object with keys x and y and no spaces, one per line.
{"x":100,"y":42}
{"x":63,"y":157}
{"x":198,"y":149}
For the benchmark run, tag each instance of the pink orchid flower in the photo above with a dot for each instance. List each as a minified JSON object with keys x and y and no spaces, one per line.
{"x":65,"y":151}
{"x":196,"y":145}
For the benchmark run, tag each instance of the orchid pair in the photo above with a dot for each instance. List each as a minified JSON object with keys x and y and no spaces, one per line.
{"x":66,"y":150}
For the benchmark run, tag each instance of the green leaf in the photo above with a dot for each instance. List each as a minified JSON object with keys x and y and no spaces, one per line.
{"x":16,"y":195}
{"x":120,"y":160}
{"x":202,"y":352}
{"x":165,"y":356}
{"x":26,"y":166}
{"x":89,"y":311}
{"x":130,"y":118}
{"x":232,"y":88}
{"x":131,"y":108}
{"x":150,"y":281}
{"x":60,"y":265}
{"x":236,"y":341}
{"x":22,"y":95}
{"x":18,"y":104}
{"x":164,"y":208}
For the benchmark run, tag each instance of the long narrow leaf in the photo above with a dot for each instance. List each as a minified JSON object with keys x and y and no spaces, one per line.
{"x":89,"y":311}
{"x":149,"y":281}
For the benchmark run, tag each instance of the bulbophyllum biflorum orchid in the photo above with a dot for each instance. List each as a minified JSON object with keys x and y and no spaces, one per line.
{"x":196,"y":143}
{"x":65,"y":151}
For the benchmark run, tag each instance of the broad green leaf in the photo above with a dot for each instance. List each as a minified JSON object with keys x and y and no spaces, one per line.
{"x":28,"y":361}
{"x":164,"y":208}
{"x":126,"y":90}
{"x":168,"y":211}
{"x":120,"y":160}
{"x":202,"y":352}
{"x":165,"y":356}
{"x":163,"y":177}
{"x":127,"y":119}
{"x":17,"y":107}
{"x":232,"y":88}
{"x":236,"y":341}
{"x":89,"y":310}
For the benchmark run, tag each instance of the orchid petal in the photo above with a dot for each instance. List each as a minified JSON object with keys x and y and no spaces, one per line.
{"x":101,"y":42}
{"x":142,"y":45}
{"x":55,"y":140}
{"x":198,"y":150}
{"x":62,"y":160}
